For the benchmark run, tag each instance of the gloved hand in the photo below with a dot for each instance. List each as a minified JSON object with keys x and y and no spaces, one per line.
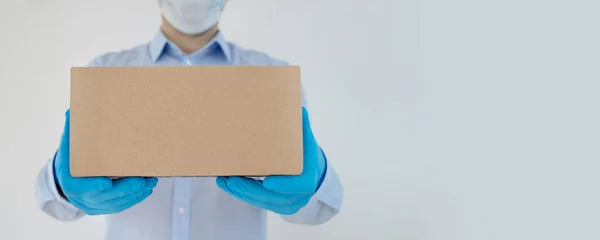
{"x":97,"y":195}
{"x":283,"y":194}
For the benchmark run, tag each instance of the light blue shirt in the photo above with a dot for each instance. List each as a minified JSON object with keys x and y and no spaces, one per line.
{"x":194,"y":207}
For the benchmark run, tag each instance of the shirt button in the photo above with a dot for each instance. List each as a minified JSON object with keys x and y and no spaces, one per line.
{"x":188,"y":62}
{"x":181,"y":210}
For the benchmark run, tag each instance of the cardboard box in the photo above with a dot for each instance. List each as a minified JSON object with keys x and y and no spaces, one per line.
{"x":186,"y":121}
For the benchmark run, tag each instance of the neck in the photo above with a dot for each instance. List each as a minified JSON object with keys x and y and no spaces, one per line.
{"x":188,"y":43}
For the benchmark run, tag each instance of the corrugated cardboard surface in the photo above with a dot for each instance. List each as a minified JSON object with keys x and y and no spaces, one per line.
{"x":186,"y":121}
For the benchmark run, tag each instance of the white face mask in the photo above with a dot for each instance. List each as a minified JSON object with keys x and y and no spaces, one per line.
{"x":191,"y":16}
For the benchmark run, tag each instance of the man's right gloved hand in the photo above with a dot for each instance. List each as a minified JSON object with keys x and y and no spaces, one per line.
{"x":97,"y":195}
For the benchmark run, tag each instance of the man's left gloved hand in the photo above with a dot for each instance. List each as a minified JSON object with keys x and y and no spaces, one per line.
{"x":283,"y":194}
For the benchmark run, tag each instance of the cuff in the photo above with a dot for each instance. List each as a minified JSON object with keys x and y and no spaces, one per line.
{"x":330,"y":191}
{"x":54,"y":203}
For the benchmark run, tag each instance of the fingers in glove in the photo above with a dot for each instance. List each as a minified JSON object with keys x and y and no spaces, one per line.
{"x":124,"y":186}
{"x":291,"y":184}
{"x":120,"y":208}
{"x":254,"y":189}
{"x":76,"y":187}
{"x":241,"y":196}
{"x":91,"y":201}
{"x":277,"y":208}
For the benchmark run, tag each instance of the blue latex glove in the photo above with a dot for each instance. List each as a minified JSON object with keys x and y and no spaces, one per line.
{"x":97,"y":195}
{"x":283,"y":194}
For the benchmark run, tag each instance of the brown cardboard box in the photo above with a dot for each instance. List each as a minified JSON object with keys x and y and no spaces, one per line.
{"x":186,"y":121}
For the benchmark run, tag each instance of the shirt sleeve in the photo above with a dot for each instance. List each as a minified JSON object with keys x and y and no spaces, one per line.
{"x":48,"y":198}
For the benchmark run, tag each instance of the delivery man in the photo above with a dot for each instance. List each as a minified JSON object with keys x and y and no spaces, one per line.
{"x":221,"y":208}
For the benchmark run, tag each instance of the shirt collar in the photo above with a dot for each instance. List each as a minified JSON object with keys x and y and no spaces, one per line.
{"x":160,"y":41}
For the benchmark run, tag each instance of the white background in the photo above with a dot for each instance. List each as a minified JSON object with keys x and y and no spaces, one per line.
{"x":463,"y":119}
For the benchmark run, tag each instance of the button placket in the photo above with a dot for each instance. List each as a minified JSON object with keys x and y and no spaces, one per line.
{"x":181,"y":209}
{"x":187,"y":61}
